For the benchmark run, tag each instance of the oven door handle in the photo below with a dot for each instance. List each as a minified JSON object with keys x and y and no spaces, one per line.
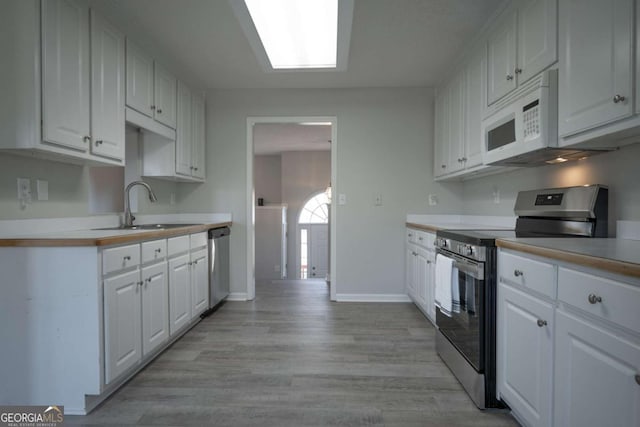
{"x":473,"y":269}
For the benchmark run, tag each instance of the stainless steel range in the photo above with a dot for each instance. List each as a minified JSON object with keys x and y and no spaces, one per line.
{"x":466,"y":335}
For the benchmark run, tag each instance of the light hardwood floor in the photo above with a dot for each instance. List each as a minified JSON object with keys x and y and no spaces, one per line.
{"x":292,"y":358}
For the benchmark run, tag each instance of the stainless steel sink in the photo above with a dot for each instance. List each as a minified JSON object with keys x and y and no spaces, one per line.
{"x":146,"y":227}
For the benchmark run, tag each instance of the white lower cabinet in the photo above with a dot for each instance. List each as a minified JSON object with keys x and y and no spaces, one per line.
{"x":567,"y":355}
{"x":123,"y":336}
{"x":136,"y":308}
{"x":420,"y":270}
{"x":597,"y":380}
{"x":525,"y":354}
{"x":179,"y":292}
{"x":199,"y":282}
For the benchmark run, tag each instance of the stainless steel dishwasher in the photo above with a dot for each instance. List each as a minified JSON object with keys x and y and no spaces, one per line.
{"x":218,"y":268}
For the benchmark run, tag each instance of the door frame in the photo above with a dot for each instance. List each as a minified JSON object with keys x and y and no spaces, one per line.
{"x":251,"y":200}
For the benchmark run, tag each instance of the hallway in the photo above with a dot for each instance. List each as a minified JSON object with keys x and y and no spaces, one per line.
{"x":292,"y":358}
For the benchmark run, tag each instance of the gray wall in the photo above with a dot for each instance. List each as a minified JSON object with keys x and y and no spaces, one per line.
{"x":618,"y":170}
{"x":267,"y":178}
{"x":384,"y":145}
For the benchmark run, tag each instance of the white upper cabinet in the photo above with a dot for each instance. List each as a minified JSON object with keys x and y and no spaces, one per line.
{"x":164,"y":96}
{"x":183,"y":131}
{"x":139,"y":80}
{"x":475,"y":100}
{"x":107,"y":89}
{"x":151,"y":89}
{"x":596,"y":63}
{"x":441,"y":134}
{"x":65,"y":74}
{"x":501,"y":60}
{"x":198,"y":121}
{"x":456,"y":123}
{"x":524,"y":44}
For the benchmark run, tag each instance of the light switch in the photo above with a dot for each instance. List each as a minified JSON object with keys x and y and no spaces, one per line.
{"x":377,"y":200}
{"x":42,"y":188}
{"x":342,"y":199}
{"x":433,"y":199}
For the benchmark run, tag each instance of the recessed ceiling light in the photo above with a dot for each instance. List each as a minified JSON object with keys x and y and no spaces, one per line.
{"x":297,"y":34}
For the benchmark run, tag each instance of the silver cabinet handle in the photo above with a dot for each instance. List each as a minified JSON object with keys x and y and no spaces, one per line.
{"x":518,"y":273}
{"x":158,"y":250}
{"x":420,"y":238}
{"x":127,"y":258}
{"x":190,"y":263}
{"x":153,"y":107}
{"x":444,"y":166}
{"x":618,"y":98}
{"x":410,"y":234}
{"x":428,"y":262}
{"x":593,"y":298}
{"x":195,"y":169}
{"x":191,"y":167}
{"x":148,"y":280}
{"x":638,"y":379}
{"x":139,"y":283}
{"x":509,"y":77}
{"x":86,"y":138}
{"x":542,"y":323}
{"x":464,"y":159}
{"x":159,"y":111}
{"x":518,"y":70}
{"x":99,"y":142}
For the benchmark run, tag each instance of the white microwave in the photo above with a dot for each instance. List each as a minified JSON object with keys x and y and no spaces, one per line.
{"x":523,"y":127}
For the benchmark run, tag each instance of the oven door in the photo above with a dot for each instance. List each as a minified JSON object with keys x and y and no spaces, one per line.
{"x":465,"y":328}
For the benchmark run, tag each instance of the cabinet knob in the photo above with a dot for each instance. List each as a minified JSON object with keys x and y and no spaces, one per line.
{"x":420,"y":238}
{"x":618,"y":98}
{"x":410,"y":234}
{"x":159,"y":110}
{"x":86,"y":138}
{"x":99,"y":142}
{"x":127,"y":258}
{"x":444,"y":166}
{"x":593,"y":298}
{"x":139,"y":283}
{"x":158,"y":250}
{"x":464,"y":159}
{"x":542,"y":323}
{"x":195,"y":169}
{"x":148,"y":280}
{"x":518,"y":273}
{"x":153,"y":107}
{"x":518,"y":70}
{"x":428,"y":262}
{"x":509,"y":77}
{"x":190,"y":263}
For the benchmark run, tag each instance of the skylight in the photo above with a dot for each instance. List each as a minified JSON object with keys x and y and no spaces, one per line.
{"x":297,"y":33}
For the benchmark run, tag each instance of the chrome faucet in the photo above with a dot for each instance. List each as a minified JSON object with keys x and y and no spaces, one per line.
{"x":128,"y":217}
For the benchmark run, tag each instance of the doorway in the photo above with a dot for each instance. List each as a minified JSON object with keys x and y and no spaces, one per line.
{"x":304,"y":150}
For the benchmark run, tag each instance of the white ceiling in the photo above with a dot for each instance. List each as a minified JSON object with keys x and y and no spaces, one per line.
{"x":274,"y":138}
{"x":394,"y":43}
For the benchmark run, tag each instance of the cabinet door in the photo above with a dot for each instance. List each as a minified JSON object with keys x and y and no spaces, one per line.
{"x":475,"y":100}
{"x":501,"y":56}
{"x":422,"y":276}
{"x":155,"y":307}
{"x":139,"y":80}
{"x":107,"y":89}
{"x":183,"y":131}
{"x":65,"y":74}
{"x":410,"y":271}
{"x":164,"y":96}
{"x":456,"y":123}
{"x":537,"y":37}
{"x":441,"y":143}
{"x":597,"y":380}
{"x":431,"y":286}
{"x":595,"y":85}
{"x":525,"y":355}
{"x":199,"y":282}
{"x":198,"y":154}
{"x":179,"y":293}
{"x":122,"y":332}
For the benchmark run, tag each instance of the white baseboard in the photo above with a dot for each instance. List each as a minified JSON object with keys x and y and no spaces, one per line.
{"x":237,"y":296}
{"x":372,"y":298}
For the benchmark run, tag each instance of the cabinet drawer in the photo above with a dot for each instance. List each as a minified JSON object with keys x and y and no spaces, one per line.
{"x":198,"y":240}
{"x":615,"y":301}
{"x":425,"y":239}
{"x":119,"y":258}
{"x":155,"y":250}
{"x":412,"y":235}
{"x":532,"y":274}
{"x":176,"y":245}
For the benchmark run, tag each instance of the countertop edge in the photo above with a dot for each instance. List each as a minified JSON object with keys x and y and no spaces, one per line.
{"x":610,"y":265}
{"x":134,"y":236}
{"x":425,"y":227}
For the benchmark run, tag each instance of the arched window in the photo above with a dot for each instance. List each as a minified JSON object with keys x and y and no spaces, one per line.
{"x":315,"y":211}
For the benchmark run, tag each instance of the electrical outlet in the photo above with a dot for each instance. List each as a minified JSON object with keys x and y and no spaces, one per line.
{"x":433,"y":199}
{"x":496,"y":195}
{"x":377,"y":200}
{"x":342,"y":199}
{"x":24,"y":191}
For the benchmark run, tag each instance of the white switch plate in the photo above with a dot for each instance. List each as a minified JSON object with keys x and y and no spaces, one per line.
{"x":342,"y":199}
{"x":433,"y":199}
{"x":172,"y":199}
{"x":24,"y":189}
{"x":42,"y":188}
{"x":377,"y":200}
{"x":496,"y":196}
